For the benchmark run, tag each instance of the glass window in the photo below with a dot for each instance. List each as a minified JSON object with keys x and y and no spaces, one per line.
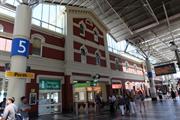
{"x":1,"y":28}
{"x":117,"y":66}
{"x":97,"y":58}
{"x":135,"y":67}
{"x":83,"y":55}
{"x":5,"y":44}
{"x":96,"y":35}
{"x":126,"y":65}
{"x":36,"y":46}
{"x":81,"y":28}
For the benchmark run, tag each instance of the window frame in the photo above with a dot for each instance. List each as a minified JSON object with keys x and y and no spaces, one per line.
{"x":1,"y":28}
{"x":42,"y":41}
{"x":126,"y":65}
{"x":96,"y":37}
{"x":83,"y":57}
{"x":99,"y":61}
{"x":117,"y":64}
{"x":84,"y":26}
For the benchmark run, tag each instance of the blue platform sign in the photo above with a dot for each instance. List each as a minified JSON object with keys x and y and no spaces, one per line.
{"x":20,"y":47}
{"x":150,"y":74}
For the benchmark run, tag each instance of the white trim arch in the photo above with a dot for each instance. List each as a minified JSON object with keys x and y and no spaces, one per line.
{"x":96,"y":34}
{"x":83,"y":51}
{"x":42,"y":40}
{"x":84,"y":28}
{"x":98,"y":57}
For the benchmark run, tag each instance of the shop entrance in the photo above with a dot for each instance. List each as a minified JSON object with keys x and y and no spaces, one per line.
{"x":49,"y":96}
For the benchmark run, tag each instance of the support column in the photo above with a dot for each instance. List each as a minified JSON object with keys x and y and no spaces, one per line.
{"x":20,"y":50}
{"x":151,"y":80}
{"x":67,"y":95}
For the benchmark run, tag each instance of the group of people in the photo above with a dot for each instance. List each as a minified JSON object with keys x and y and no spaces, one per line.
{"x":10,"y":110}
{"x":128,"y":102}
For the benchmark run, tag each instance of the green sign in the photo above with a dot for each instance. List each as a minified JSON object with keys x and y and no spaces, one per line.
{"x":48,"y":84}
{"x":78,"y":85}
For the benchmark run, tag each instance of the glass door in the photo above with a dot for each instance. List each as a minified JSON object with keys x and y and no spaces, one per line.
{"x":49,"y":102}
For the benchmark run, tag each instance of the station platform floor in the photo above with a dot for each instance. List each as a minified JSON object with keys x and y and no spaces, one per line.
{"x":166,"y":110}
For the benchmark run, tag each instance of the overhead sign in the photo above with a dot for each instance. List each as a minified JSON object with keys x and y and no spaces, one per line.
{"x":20,"y":47}
{"x":165,"y":69}
{"x":19,"y":75}
{"x":116,"y":86}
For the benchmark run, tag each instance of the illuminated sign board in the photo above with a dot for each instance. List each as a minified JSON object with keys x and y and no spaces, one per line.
{"x":116,"y":86}
{"x":165,"y":69}
{"x":19,"y":74}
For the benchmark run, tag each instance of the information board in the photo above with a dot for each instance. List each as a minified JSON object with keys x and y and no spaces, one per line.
{"x":165,"y":69}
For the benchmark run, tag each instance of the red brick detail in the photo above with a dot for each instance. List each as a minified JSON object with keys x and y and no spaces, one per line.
{"x":103,"y":63}
{"x":81,"y":74}
{"x":67,"y":95}
{"x":76,"y":31}
{"x":112,"y":66}
{"x":30,"y":49}
{"x":77,"y":57}
{"x":103,"y":54}
{"x":91,"y":50}
{"x":108,"y":91}
{"x":34,"y":108}
{"x":89,"y":36}
{"x":53,"y":54}
{"x":91,"y":60}
{"x":51,"y":39}
{"x":8,"y":27}
{"x":77,"y":45}
{"x":2,"y":69}
{"x":101,"y":41}
{"x":77,"y":20}
{"x":112,"y":58}
{"x":125,"y":80}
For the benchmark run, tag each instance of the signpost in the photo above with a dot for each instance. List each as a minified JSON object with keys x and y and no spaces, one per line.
{"x":19,"y":74}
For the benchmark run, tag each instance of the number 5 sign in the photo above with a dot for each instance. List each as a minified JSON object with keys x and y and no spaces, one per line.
{"x":20,"y":47}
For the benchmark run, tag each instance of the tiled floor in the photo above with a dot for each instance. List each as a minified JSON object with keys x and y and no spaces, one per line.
{"x":166,"y":110}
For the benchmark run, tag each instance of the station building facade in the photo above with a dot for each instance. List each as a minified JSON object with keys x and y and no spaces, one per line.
{"x":72,"y":67}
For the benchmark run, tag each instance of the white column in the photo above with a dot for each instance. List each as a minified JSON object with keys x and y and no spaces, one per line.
{"x":22,"y":27}
{"x":106,"y":50}
{"x":151,"y":80}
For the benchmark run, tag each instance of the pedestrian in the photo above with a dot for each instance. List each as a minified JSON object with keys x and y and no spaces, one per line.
{"x":127,"y":102}
{"x":141,"y":98}
{"x":112,"y":100}
{"x":10,"y":110}
{"x":173,"y":94}
{"x":121,"y":104}
{"x":132,"y":102}
{"x":3,"y":104}
{"x":24,"y":108}
{"x":98,"y":102}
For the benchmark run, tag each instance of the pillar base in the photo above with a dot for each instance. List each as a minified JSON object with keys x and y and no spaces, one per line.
{"x":154,"y":98}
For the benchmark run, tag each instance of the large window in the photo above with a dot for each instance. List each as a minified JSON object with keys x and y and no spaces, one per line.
{"x":49,"y":16}
{"x":98,"y":59}
{"x":83,"y":54}
{"x":5,"y":44}
{"x":82,"y":28}
{"x":37,"y":44}
{"x":1,"y":28}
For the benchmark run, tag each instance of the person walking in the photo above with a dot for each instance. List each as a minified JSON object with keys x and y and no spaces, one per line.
{"x":132,"y":102}
{"x":24,"y":108}
{"x":112,"y":100}
{"x":10,"y":110}
{"x":141,"y":98}
{"x":121,"y":104}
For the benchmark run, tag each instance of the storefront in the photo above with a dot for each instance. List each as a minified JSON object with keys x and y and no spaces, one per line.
{"x":135,"y":85}
{"x":117,"y":88}
{"x":50,"y":100}
{"x":3,"y":86}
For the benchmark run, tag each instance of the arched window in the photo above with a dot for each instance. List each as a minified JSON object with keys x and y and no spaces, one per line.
{"x":96,"y":34}
{"x":117,"y":66}
{"x":98,"y":58}
{"x":37,"y":41}
{"x":83,"y":54}
{"x":82,"y":28}
{"x":135,"y":68}
{"x":126,"y":65}
{"x":1,"y":28}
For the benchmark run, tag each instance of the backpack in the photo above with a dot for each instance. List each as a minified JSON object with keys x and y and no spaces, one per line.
{"x":18,"y":116}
